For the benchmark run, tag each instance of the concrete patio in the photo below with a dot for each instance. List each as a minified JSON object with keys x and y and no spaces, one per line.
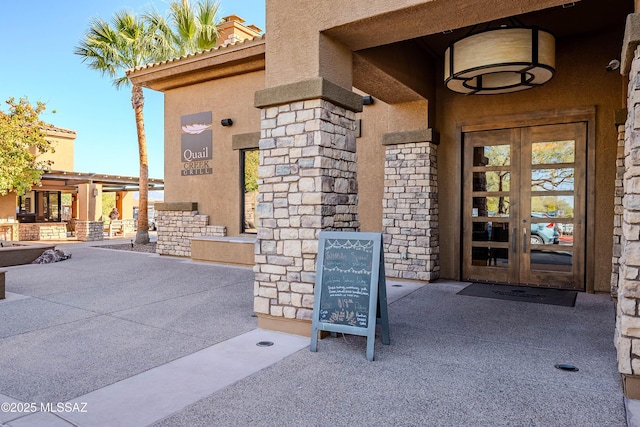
{"x":130,"y":339}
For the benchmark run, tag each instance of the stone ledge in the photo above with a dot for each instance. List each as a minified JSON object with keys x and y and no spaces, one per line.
{"x":411,"y":137}
{"x":317,"y":88}
{"x":177,"y":206}
{"x":244,"y":141}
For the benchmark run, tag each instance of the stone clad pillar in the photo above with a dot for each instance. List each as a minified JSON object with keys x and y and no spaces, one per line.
{"x":617,"y":204}
{"x":89,"y":224}
{"x":627,"y":334}
{"x":410,"y":205}
{"x":306,"y":183}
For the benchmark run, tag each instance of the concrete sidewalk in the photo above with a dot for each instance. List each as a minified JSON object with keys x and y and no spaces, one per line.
{"x":120,"y":338}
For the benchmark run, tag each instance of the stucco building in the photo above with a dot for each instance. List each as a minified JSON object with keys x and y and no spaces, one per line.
{"x":487,"y":140}
{"x":66,"y":202}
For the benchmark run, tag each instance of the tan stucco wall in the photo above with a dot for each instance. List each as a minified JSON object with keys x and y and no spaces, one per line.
{"x":580,"y":80}
{"x":218,"y":194}
{"x":377,"y":120}
{"x":223,"y":251}
{"x":125,"y":203}
{"x":315,"y":55}
{"x":62,"y":158}
{"x":8,"y":206}
{"x":89,"y":202}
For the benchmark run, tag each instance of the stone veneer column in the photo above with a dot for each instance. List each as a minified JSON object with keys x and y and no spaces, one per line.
{"x":306,"y":183}
{"x":627,"y":335}
{"x":89,"y":231}
{"x":410,"y":206}
{"x":617,"y":205}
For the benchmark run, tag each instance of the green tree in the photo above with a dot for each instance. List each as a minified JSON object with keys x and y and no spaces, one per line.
{"x":22,"y":138}
{"x":251,"y":163}
{"x":108,"y":203}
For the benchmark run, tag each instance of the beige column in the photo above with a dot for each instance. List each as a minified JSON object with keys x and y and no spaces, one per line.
{"x":90,"y":222}
{"x":90,"y":202}
{"x":124,"y":204}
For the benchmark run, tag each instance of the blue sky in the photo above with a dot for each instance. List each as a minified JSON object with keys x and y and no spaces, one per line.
{"x":37,"y":40}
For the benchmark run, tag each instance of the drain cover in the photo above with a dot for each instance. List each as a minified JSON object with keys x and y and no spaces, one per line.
{"x":264,"y":344}
{"x":566,"y":367}
{"x":396,"y":286}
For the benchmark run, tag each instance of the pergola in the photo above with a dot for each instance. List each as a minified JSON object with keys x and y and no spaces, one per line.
{"x":67,"y":181}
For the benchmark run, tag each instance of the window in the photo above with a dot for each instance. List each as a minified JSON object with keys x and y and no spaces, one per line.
{"x":249,"y":162}
{"x":40,"y":206}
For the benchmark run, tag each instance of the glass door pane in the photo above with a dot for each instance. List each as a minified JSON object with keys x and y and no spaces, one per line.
{"x":524,"y":205}
{"x":490,"y":160}
{"x":552,"y":183}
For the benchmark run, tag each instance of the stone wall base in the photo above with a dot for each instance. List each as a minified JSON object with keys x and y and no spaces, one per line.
{"x":89,"y":231}
{"x":631,"y":386}
{"x":40,"y":231}
{"x":177,"y":227}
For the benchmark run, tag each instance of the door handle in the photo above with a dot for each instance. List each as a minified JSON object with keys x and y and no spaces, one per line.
{"x":514,"y":248}
{"x":524,"y":240}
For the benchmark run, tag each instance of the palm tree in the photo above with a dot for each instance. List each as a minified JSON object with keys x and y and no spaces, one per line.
{"x":128,"y":42}
{"x":112,"y":49}
{"x":186,"y":29}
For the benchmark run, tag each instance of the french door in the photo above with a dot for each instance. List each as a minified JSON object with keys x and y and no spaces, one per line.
{"x":524,"y":205}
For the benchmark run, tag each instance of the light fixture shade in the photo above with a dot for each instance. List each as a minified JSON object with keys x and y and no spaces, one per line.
{"x":500,"y":61}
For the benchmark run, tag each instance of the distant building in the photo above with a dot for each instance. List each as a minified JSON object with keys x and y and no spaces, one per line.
{"x":66,"y":202}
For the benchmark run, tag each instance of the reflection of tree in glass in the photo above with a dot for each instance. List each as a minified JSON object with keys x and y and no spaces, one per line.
{"x":498,"y":155}
{"x":251,"y":159}
{"x":552,"y":152}
{"x":552,"y":179}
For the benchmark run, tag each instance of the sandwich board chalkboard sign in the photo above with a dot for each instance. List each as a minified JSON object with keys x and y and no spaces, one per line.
{"x":350,"y":288}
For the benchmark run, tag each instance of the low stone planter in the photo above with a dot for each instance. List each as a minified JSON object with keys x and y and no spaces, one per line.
{"x":20,"y":253}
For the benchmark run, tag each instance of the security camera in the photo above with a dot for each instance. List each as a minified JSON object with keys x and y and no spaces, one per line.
{"x":614,"y":64}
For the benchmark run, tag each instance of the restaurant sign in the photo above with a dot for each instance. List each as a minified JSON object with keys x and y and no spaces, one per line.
{"x":196,"y":144}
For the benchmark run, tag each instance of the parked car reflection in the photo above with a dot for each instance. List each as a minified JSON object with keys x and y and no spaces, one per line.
{"x":544,"y":233}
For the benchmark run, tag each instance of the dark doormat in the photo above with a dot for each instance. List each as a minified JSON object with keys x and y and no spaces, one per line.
{"x":521,"y":293}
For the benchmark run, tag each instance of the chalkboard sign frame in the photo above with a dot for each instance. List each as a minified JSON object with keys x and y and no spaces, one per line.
{"x":377,"y":298}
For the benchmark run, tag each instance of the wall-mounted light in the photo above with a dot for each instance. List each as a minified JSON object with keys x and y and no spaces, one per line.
{"x":226,"y":122}
{"x":95,"y":192}
{"x":367,"y":100}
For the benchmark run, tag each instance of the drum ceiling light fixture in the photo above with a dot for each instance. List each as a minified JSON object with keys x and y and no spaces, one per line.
{"x":500,"y":60}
